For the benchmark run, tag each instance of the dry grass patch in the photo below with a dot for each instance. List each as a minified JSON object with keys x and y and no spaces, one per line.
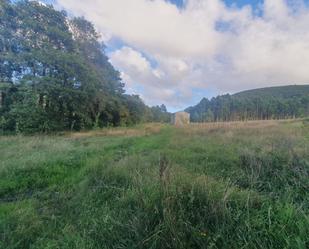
{"x":144,"y":130}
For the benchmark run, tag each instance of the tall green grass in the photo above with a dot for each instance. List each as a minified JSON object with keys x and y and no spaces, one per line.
{"x":241,"y":186}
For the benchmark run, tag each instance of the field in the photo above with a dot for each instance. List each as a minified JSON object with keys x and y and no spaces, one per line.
{"x":233,"y":185}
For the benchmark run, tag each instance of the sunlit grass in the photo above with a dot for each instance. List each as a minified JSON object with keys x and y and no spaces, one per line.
{"x":231,"y":185}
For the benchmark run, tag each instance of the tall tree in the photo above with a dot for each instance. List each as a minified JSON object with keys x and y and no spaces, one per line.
{"x":54,"y":73}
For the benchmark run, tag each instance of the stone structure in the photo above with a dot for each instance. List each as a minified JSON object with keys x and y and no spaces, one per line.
{"x":180,"y":118}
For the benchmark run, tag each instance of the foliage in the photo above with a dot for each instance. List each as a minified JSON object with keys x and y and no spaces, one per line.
{"x":61,"y":64}
{"x":260,"y":104}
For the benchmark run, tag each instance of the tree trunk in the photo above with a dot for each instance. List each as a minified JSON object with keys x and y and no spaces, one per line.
{"x":97,"y":119}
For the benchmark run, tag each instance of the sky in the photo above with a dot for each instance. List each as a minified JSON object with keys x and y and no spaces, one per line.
{"x":175,"y":52}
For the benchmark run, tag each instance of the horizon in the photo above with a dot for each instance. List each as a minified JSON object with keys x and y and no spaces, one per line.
{"x":176,"y":52}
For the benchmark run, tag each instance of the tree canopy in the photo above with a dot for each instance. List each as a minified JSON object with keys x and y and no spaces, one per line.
{"x":55,"y":75}
{"x":259,"y":104}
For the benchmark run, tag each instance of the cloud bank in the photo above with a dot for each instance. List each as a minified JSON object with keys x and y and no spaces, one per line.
{"x":173,"y":56}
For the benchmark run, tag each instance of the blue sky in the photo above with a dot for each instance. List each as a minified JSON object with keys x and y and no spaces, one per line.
{"x":200,"y":48}
{"x":180,"y":3}
{"x":238,"y":3}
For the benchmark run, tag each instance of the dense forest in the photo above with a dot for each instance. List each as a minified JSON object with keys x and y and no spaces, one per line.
{"x":259,"y":104}
{"x":54,"y":74}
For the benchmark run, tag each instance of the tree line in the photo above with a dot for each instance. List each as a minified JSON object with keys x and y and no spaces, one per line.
{"x":55,"y":75}
{"x":260,"y":104}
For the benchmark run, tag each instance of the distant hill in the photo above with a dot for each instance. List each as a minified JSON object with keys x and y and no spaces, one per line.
{"x":264,"y":103}
{"x":278,"y":92}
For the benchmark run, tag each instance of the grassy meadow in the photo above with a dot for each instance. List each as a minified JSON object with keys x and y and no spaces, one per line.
{"x":225,"y":186}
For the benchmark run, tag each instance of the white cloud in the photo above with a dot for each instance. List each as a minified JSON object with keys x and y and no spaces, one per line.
{"x":139,"y":75}
{"x":127,"y":57}
{"x":205,"y":45}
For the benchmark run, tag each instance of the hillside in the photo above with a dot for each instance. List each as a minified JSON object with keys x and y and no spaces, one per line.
{"x":258,"y":104}
{"x":276,"y":92}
